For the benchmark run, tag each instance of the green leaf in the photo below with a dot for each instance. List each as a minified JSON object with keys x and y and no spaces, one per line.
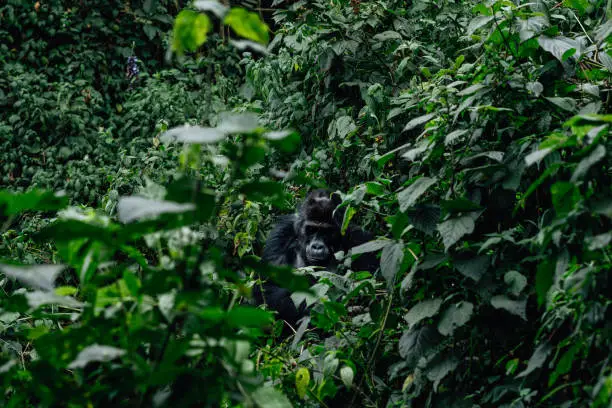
{"x":370,"y":246}
{"x":37,"y":298}
{"x":585,"y":164}
{"x":134,"y":208}
{"x":453,"y":229}
{"x":418,"y":121}
{"x":387,"y":35}
{"x":441,"y":370}
{"x":515,"y":281}
{"x":95,"y":353}
{"x":415,"y":343}
{"x":266,"y":191}
{"x":516,"y":307}
{"x":565,"y":197}
{"x":600,"y":241}
{"x":473,"y":267}
{"x":478,"y":22}
{"x":33,"y":276}
{"x":568,"y":104}
{"x":565,"y":363}
{"x":33,"y":200}
{"x":285,"y":140}
{"x":422,"y":310}
{"x":248,"y":25}
{"x":245,"y":122}
{"x":453,"y":136}
{"x":390,"y":261}
{"x":348,"y":216}
{"x":190,"y":29}
{"x":193,"y":134}
{"x":454,"y":317}
{"x":537,"y":359}
{"x":409,"y":196}
{"x":302,"y":380}
{"x":425,"y":217}
{"x":544,"y":280}
{"x":347,"y":375}
{"x":244,"y":316}
{"x":558,"y":46}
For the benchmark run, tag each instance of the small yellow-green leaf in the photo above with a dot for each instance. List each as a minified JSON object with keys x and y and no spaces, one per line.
{"x":190,"y":30}
{"x":248,"y":25}
{"x":302,"y":379}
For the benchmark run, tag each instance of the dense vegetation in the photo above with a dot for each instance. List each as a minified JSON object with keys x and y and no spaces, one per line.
{"x":472,"y":137}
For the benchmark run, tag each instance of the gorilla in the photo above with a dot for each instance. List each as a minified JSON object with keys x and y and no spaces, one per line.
{"x":310,"y":237}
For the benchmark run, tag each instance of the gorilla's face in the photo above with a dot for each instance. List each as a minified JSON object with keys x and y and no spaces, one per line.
{"x":319,"y":242}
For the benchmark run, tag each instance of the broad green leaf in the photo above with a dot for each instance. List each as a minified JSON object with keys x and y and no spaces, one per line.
{"x":33,"y":200}
{"x":244,"y":316}
{"x":135,"y":208}
{"x":537,"y":359}
{"x":387,"y":35}
{"x":285,"y":140}
{"x":95,"y":353}
{"x":409,"y":196}
{"x":473,"y":267}
{"x":453,"y":229}
{"x":565,"y":197}
{"x":531,"y":27}
{"x":38,"y":298}
{"x":422,"y":310}
{"x":441,"y":370}
{"x":390,"y":261}
{"x":193,"y":134}
{"x":454,"y":136}
{"x":516,"y":307}
{"x":418,"y":121}
{"x":349,"y":213}
{"x":425,"y":217}
{"x":190,"y":29}
{"x":568,"y":104}
{"x":478,"y":22}
{"x":515,"y":281}
{"x":370,"y":246}
{"x":266,"y":191}
{"x":536,"y":156}
{"x":558,"y":46}
{"x":600,"y":241}
{"x":471,"y":89}
{"x":33,"y":276}
{"x":248,"y":25}
{"x":246,"y":122}
{"x":415,"y":343}
{"x":302,"y":380}
{"x":585,"y":164}
{"x":544,"y":279}
{"x":455,"y":316}
{"x":565,"y":363}
{"x":347,"y":375}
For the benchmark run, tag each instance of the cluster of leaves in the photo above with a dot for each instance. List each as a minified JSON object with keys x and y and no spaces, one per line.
{"x":472,"y":137}
{"x":480,"y":126}
{"x":146,"y":310}
{"x":77,"y":115}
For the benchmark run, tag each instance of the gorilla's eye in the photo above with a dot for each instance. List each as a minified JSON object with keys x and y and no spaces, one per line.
{"x":311,"y":230}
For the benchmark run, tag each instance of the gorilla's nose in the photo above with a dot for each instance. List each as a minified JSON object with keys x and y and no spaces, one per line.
{"x":318,"y":250}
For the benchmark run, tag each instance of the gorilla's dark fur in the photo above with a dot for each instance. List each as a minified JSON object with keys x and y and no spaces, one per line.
{"x":309,"y":238}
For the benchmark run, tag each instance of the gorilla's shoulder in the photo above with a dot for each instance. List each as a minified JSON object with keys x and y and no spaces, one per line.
{"x":281,"y":241}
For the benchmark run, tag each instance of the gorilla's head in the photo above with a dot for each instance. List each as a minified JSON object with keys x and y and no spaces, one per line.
{"x":318,"y":228}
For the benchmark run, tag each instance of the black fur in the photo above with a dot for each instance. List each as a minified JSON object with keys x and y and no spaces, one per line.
{"x":309,"y":237}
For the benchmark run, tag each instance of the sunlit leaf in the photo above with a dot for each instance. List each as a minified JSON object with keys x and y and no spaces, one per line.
{"x":134,"y":208}
{"x":33,"y":276}
{"x":190,"y":30}
{"x":95,"y":353}
{"x":248,"y":25}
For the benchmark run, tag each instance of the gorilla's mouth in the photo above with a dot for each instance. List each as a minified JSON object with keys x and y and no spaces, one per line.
{"x":317,"y":260}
